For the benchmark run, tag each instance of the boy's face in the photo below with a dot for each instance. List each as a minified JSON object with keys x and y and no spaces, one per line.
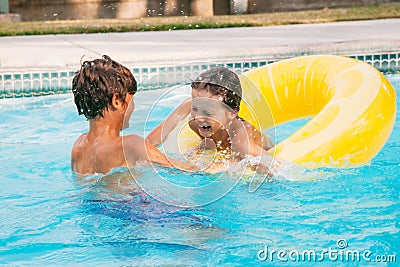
{"x":209,"y":113}
{"x":129,"y":109}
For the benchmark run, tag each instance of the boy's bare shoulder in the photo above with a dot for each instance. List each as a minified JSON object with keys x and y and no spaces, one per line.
{"x":186,"y":102}
{"x":132,"y":141}
{"x":137,"y":148}
{"x":257,"y":136}
{"x":245,"y":131}
{"x":77,"y":152}
{"x":246,"y":127}
{"x":79,"y":144}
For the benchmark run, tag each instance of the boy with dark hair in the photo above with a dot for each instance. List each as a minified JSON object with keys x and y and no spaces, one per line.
{"x":213,"y":115}
{"x":103,"y":92}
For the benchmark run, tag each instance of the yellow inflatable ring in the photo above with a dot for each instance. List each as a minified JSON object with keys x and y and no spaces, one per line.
{"x":352,"y":105}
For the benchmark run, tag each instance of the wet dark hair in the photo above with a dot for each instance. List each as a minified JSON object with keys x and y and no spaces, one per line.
{"x":222,"y":82}
{"x":95,"y":84}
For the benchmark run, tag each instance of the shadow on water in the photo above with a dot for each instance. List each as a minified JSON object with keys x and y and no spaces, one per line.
{"x":118,"y":214}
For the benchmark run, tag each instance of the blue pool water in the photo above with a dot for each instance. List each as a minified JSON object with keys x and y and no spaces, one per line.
{"x":49,"y":217}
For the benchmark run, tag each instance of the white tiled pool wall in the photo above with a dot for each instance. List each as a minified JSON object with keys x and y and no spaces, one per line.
{"x":14,"y":85}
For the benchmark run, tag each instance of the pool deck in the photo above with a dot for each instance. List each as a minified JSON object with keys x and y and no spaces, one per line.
{"x":63,"y":52}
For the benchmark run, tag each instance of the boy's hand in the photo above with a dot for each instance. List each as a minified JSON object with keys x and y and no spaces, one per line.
{"x":265,"y":164}
{"x":269,"y":168}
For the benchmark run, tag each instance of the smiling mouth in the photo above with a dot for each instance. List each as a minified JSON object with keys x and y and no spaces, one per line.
{"x":204,"y":128}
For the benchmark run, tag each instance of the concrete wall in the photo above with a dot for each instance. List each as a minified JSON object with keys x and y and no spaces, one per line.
{"x":92,"y":9}
{"x":78,"y":9}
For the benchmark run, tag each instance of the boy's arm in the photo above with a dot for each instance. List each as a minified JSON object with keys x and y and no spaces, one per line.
{"x":155,"y":156}
{"x":134,"y":152}
{"x":161,"y":132}
{"x":267,"y":163}
{"x":136,"y":148}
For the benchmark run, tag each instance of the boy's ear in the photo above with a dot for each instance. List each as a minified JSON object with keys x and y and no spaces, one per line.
{"x":116,"y":103}
{"x":233,"y":113}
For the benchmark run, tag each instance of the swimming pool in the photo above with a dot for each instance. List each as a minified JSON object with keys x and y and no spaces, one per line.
{"x":50,"y":217}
